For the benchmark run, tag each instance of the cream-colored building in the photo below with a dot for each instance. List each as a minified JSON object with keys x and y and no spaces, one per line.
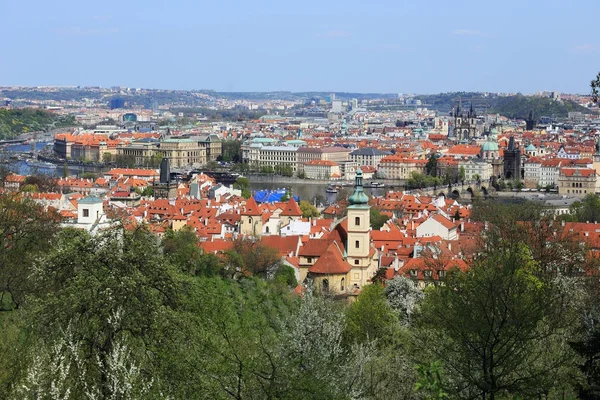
{"x":322,"y":169}
{"x":400,"y":167}
{"x":307,"y":154}
{"x":476,"y":167}
{"x":577,"y":182}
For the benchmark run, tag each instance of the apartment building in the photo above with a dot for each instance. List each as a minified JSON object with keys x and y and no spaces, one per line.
{"x":577,"y":182}
{"x":400,"y":167}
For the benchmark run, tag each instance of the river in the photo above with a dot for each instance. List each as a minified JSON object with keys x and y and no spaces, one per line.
{"x":310,"y":191}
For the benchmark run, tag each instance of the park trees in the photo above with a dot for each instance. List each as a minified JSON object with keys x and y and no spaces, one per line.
{"x":308,"y":210}
{"x":26,"y":232}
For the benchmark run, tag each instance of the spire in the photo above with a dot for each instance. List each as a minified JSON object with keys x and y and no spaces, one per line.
{"x":471,"y":111}
{"x":359,"y":197}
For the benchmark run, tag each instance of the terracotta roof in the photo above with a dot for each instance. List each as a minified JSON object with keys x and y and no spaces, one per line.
{"x":291,"y":209}
{"x":446,"y":223}
{"x":251,"y":207}
{"x":331,"y":262}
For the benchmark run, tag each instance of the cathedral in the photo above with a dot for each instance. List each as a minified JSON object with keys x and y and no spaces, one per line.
{"x":465,"y":124}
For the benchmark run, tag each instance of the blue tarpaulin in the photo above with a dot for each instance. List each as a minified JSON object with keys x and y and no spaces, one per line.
{"x":270,"y":196}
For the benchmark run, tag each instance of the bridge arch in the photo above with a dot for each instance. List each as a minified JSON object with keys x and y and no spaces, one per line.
{"x":484,"y":190}
{"x":455,"y":194}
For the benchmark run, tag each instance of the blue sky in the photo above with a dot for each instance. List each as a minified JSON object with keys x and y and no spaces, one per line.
{"x":327,"y":45}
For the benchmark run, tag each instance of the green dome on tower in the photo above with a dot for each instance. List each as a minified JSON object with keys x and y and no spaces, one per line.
{"x":359,"y":197}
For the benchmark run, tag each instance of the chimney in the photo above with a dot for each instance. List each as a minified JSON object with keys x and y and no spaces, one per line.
{"x":412,"y":224}
{"x":449,"y":246}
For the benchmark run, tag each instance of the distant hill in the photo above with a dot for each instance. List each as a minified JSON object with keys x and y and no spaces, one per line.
{"x":517,"y":106}
{"x":15,"y":122}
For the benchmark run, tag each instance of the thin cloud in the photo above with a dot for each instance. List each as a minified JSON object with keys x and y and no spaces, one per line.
{"x":79,"y":31}
{"x":586,"y":48}
{"x":467,"y":32}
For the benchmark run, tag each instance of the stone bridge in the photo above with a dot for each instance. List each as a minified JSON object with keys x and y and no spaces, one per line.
{"x":466,"y":191}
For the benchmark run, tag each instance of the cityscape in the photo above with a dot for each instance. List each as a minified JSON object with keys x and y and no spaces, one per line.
{"x":318,"y":201}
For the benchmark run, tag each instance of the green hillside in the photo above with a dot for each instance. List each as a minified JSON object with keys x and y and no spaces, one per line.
{"x":15,"y":122}
{"x":517,"y":106}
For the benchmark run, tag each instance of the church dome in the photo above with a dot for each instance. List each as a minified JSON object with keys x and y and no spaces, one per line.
{"x":489,"y":145}
{"x":359,"y":196}
{"x":530,"y":148}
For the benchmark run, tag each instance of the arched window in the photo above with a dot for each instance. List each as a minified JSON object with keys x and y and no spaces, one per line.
{"x":267,"y":229}
{"x":325,"y":285}
{"x":357,"y":221}
{"x":342,"y":282}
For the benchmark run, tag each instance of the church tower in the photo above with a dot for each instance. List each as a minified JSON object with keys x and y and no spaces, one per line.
{"x":359,"y":223}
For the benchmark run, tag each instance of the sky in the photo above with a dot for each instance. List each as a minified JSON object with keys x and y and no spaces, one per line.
{"x":311,"y":45}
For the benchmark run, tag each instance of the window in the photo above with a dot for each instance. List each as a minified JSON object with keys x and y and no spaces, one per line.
{"x":308,"y":259}
{"x":357,"y":221}
{"x":356,"y":262}
{"x":357,"y":244}
{"x":86,"y":212}
{"x":442,"y":274}
{"x":342,"y":282}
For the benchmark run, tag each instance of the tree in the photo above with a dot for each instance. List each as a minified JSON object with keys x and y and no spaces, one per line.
{"x":107,"y":158}
{"x":286,"y":196}
{"x":377,"y":219}
{"x":250,"y":257}
{"x":183,"y":250}
{"x":404,"y":296}
{"x":370,"y":317}
{"x":308,"y":210}
{"x":301,"y":174}
{"x":595,"y":85}
{"x":586,"y":210}
{"x":232,"y":151}
{"x":499,"y":328}
{"x":432,"y":165}
{"x":461,"y":174}
{"x":26,"y":232}
{"x":112,"y":294}
{"x":243,"y":184}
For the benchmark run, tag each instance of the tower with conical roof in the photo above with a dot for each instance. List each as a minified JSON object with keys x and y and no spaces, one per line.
{"x":359,"y":223}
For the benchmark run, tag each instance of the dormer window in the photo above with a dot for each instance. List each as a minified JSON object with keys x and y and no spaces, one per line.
{"x":442,"y":274}
{"x":413,"y":272}
{"x":427,"y":273}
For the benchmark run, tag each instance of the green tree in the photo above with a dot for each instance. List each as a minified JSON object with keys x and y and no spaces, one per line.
{"x":301,"y":174}
{"x":377,"y":219}
{"x":243,"y":184}
{"x":586,"y":210}
{"x":102,"y":299}
{"x":500,"y":329}
{"x":183,"y":250}
{"x":107,"y":158}
{"x":308,"y":210}
{"x":432,"y":165}
{"x":26,"y":232}
{"x":370,"y":317}
{"x":65,"y":173}
{"x":461,"y":174}
{"x":595,"y":85}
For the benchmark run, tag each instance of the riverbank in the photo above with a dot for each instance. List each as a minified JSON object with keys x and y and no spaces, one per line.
{"x":283,"y":180}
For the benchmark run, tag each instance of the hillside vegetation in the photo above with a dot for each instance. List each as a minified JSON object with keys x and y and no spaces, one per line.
{"x":517,"y":106}
{"x":15,"y":122}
